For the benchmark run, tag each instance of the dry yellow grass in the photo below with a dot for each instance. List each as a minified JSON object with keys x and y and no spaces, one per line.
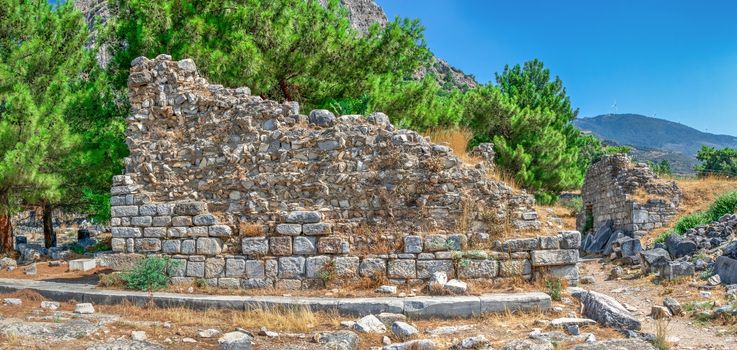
{"x":457,"y":139}
{"x":698,"y":194}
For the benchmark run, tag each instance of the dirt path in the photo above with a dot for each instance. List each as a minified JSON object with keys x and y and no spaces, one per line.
{"x":642,"y":294}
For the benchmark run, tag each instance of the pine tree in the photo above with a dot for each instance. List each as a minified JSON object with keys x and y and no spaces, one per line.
{"x":41,"y":50}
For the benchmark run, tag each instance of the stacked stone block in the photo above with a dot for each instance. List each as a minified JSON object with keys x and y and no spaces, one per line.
{"x":246,"y":193}
{"x":613,"y":193}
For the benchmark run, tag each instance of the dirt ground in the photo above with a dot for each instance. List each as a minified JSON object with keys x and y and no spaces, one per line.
{"x":641,"y":293}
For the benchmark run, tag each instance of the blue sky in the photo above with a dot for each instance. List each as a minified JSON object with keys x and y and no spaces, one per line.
{"x":672,"y":59}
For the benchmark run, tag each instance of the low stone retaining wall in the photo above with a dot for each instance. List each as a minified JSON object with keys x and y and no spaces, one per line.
{"x":306,"y":253}
{"x":415,"y":307}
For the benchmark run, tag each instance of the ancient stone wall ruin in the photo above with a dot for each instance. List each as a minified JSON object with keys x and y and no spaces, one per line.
{"x":248,"y":192}
{"x":626,"y":196}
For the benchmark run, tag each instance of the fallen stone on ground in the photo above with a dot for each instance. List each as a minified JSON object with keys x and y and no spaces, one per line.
{"x":617,"y":344}
{"x":235,"y":341}
{"x":84,"y":308}
{"x":403,"y":330}
{"x":528,"y":344}
{"x":126,"y":344}
{"x":419,"y":344}
{"x":341,"y":340}
{"x":605,"y":310}
{"x":369,"y":324}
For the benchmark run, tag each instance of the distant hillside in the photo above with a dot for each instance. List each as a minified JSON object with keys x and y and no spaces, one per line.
{"x":655,"y":139}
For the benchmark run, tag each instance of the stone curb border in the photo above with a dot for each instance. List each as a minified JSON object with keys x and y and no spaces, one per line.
{"x":421,"y":307}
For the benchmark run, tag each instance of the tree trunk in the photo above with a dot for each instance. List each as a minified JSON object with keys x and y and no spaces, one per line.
{"x":284,"y":87}
{"x":6,"y":228}
{"x":49,"y":234}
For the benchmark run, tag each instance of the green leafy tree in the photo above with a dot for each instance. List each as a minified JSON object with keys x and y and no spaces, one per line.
{"x":661,"y":168}
{"x":720,"y":162}
{"x":281,"y":49}
{"x":41,"y":52}
{"x":528,"y":117}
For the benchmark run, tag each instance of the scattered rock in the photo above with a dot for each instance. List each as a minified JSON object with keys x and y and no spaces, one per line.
{"x":403,"y":330}
{"x":566,"y":321}
{"x":528,"y":344}
{"x":50,"y":305}
{"x":138,"y":335}
{"x":387,"y":290}
{"x":673,"y":306}
{"x":456,"y":286}
{"x":605,"y":310}
{"x":444,"y":330}
{"x":388,"y":318}
{"x":588,"y":279}
{"x":726,"y":268}
{"x":478,"y":342}
{"x":679,"y":246}
{"x":652,"y":260}
{"x":420,"y":344}
{"x":714,"y":280}
{"x":617,"y":344}
{"x":30,"y":269}
{"x":126,"y":344}
{"x":267,"y":333}
{"x":208,"y":333}
{"x":7,"y":262}
{"x":657,"y":312}
{"x":84,"y":308}
{"x":234,"y":341}
{"x":190,"y":340}
{"x":617,"y":272}
{"x":369,"y":324}
{"x":341,"y":340}
{"x":12,"y":301}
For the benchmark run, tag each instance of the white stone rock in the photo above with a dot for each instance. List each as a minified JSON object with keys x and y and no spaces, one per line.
{"x":208,"y":333}
{"x":387,"y":290}
{"x":456,"y":286}
{"x":403,"y":330}
{"x":235,"y":341}
{"x":138,"y":335}
{"x":13,"y":301}
{"x":369,"y":324}
{"x":82,"y":264}
{"x":84,"y":308}
{"x":50,"y":305}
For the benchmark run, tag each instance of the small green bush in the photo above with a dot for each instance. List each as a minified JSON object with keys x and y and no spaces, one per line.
{"x":77,"y":248}
{"x":725,"y":204}
{"x":149,"y":274}
{"x":575,"y":205}
{"x":690,"y":221}
{"x":554,"y":287}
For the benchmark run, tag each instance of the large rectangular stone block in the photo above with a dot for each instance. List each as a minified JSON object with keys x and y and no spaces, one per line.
{"x":235,"y":267}
{"x":208,"y":246}
{"x":148,"y":245}
{"x":402,"y":268}
{"x":141,"y":221}
{"x":303,"y":217}
{"x":280,"y":246}
{"x":291,"y":267}
{"x":554,"y":257}
{"x":126,"y":232}
{"x":128,"y":210}
{"x":256,"y":246}
{"x":472,"y":268}
{"x":190,"y":208}
{"x":318,"y":229}
{"x":426,"y":268}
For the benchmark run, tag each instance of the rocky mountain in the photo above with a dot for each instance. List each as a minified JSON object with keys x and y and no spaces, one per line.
{"x":655,"y":139}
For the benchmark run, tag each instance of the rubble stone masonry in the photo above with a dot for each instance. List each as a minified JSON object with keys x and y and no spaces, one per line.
{"x":246,"y":192}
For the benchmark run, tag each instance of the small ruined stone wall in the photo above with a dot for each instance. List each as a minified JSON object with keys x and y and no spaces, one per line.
{"x":249,"y":192}
{"x":627,"y":195}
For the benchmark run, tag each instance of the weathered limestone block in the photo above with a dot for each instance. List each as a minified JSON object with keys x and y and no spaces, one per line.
{"x":204,"y":220}
{"x":412,"y":244}
{"x":317,"y":229}
{"x":126,"y":232}
{"x":148,"y":245}
{"x":208,"y":246}
{"x":289,"y":229}
{"x":280,"y":246}
{"x":510,"y":268}
{"x":570,"y":240}
{"x":214,"y":267}
{"x":346,"y":266}
{"x":316,"y":264}
{"x":303,"y":217}
{"x":235,"y":267}
{"x":291,"y":267}
{"x":255,"y":269}
{"x":157,"y":232}
{"x":256,"y":246}
{"x":554,"y":257}
{"x":478,"y":269}
{"x":190,"y":208}
{"x":304,"y":245}
{"x":171,"y":246}
{"x":520,"y":245}
{"x":124,"y":211}
{"x":196,"y":269}
{"x":372,"y":267}
{"x":435,"y":243}
{"x":219,"y":231}
{"x":402,"y":268}
{"x":330,"y":245}
{"x":426,"y":268}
